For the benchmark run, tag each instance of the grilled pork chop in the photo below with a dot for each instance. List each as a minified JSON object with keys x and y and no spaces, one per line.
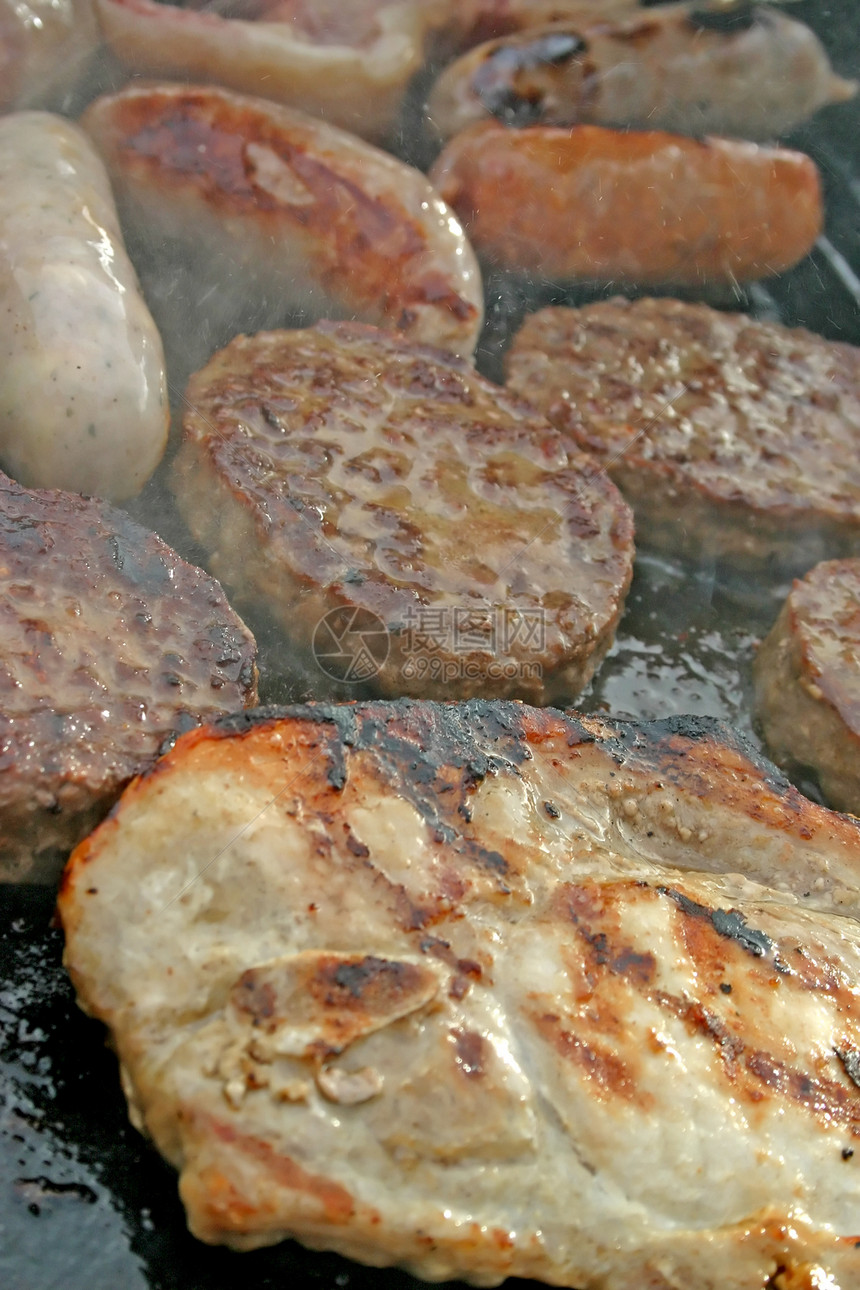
{"x":731,"y":438}
{"x":488,"y":990}
{"x":342,"y":475}
{"x":109,"y":642}
{"x":807,"y":681}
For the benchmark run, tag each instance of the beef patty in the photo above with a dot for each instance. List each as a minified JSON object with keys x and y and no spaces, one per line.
{"x":731,"y":438}
{"x":109,"y":642}
{"x":410,"y":523}
{"x":807,"y":681}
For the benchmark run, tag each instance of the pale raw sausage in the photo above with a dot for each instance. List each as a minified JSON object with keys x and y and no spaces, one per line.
{"x":84,"y":402}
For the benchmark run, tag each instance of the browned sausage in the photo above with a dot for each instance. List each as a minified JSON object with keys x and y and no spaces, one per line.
{"x":646,"y":207}
{"x":349,"y":63}
{"x":657,"y":69}
{"x":282,"y":212}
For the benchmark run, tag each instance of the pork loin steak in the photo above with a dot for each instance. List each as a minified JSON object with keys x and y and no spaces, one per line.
{"x":488,"y":990}
{"x":108,"y":644}
{"x":807,"y":681}
{"x":340,"y":476}
{"x":731,"y":438}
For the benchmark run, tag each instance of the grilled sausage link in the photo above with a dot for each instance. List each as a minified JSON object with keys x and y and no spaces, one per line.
{"x":349,"y":63}
{"x":642,"y":207}
{"x":84,"y":403}
{"x":310,"y":219}
{"x":661,"y":69}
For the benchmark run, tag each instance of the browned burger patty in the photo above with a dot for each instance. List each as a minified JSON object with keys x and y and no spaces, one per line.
{"x":109,"y":642}
{"x":343,"y":470}
{"x":731,"y":438}
{"x":807,"y":681}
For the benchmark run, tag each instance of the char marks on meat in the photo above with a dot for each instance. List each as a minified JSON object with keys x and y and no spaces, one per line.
{"x":487,"y":990}
{"x":663,"y":69}
{"x":312,"y":221}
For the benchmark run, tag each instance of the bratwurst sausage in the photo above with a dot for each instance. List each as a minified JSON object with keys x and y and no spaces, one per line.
{"x":638,"y":207}
{"x":84,"y":403}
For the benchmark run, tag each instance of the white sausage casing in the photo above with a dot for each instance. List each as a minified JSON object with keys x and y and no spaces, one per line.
{"x":47,"y":48}
{"x":84,"y":400}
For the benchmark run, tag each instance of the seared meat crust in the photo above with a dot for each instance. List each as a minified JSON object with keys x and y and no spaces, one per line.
{"x":307,"y":217}
{"x":341,"y":468}
{"x":109,"y":643}
{"x":731,"y":438}
{"x":807,"y":681}
{"x":487,"y":990}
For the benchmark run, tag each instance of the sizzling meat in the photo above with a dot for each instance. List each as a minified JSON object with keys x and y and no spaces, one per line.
{"x":656,"y":69}
{"x":731,"y":438}
{"x":347,"y":62}
{"x":487,"y":990}
{"x":585,"y":202}
{"x":339,"y":475}
{"x":84,"y":402}
{"x":807,"y":676}
{"x":279,"y":214}
{"x":108,"y":643}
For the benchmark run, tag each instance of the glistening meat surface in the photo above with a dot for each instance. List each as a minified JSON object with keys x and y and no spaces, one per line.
{"x":109,"y":642}
{"x":732,"y":438}
{"x":340,"y":469}
{"x":487,"y":990}
{"x":585,"y":203}
{"x":657,"y":69}
{"x":807,"y":681}
{"x":280,"y":213}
